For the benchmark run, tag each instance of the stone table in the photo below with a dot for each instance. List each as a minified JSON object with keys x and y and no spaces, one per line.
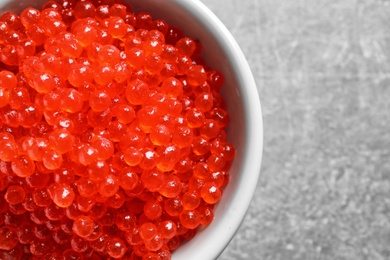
{"x":322,"y":70}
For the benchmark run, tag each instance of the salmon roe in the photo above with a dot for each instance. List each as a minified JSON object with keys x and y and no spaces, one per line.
{"x":112,"y":134}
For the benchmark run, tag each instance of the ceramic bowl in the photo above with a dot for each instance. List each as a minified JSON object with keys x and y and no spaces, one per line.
{"x":245,"y":131}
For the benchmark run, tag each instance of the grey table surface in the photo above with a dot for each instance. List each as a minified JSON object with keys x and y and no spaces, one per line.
{"x":322,"y":68}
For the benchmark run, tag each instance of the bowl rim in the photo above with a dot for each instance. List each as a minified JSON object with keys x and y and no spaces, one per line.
{"x":239,"y":204}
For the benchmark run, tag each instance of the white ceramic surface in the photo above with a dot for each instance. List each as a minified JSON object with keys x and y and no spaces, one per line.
{"x":221,"y":52}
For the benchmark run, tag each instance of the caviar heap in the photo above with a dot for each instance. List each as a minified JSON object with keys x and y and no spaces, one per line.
{"x":112,"y":140}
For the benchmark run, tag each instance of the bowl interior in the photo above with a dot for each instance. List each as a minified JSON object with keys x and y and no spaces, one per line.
{"x":245,"y":131}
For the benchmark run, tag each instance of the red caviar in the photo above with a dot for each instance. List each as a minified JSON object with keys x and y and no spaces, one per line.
{"x":112,"y":134}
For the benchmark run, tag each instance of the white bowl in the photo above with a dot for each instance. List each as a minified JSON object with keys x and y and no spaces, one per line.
{"x":245,"y":131}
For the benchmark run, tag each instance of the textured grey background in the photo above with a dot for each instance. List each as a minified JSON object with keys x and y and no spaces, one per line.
{"x":323,"y":71}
